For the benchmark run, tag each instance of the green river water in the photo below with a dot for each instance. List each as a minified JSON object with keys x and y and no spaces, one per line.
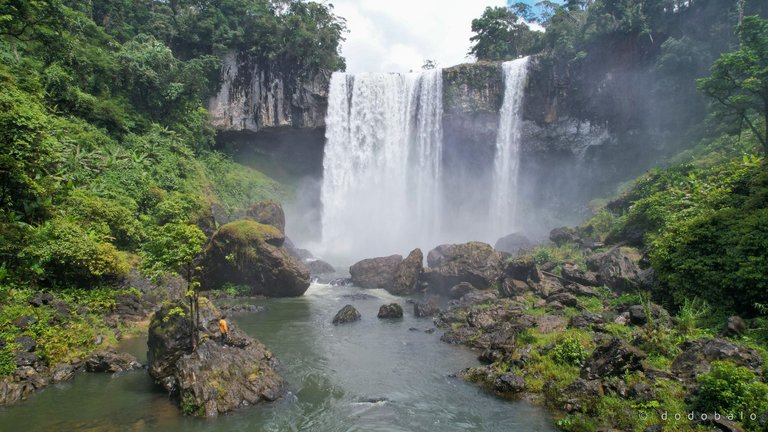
{"x":372,"y":375}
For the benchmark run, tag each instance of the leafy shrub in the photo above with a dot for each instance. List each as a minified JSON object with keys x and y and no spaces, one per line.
{"x":7,"y":362}
{"x":120,"y":221}
{"x":569,"y":352}
{"x":731,"y":389}
{"x":172,"y":248}
{"x":72,"y":256}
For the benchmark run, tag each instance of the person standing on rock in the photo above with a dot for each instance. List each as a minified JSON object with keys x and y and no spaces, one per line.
{"x":223,"y":329}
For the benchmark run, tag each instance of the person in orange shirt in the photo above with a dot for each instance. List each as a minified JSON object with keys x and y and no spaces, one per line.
{"x":223,"y":329}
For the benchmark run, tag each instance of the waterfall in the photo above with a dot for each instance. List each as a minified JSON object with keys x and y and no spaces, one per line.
{"x":382,"y":164}
{"x":507,"y":158}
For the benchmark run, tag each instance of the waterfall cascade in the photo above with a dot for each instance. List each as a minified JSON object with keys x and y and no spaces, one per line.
{"x":383,"y":175}
{"x":507,"y":158}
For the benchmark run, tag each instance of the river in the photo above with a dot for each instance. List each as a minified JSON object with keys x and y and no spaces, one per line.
{"x":372,"y":375}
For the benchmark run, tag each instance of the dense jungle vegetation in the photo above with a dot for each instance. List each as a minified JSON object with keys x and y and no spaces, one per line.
{"x":107,"y":160}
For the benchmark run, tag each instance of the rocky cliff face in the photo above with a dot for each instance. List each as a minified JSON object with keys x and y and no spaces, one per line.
{"x":256,"y":95}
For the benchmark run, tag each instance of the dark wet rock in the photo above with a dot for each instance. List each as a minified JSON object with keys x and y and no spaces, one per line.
{"x":612,"y":359}
{"x":406,"y":278}
{"x":514,"y":244}
{"x":111,"y":362}
{"x":563,"y":235}
{"x":513,"y":288}
{"x":430,"y":330}
{"x":268,"y":213}
{"x":697,"y":356}
{"x":317,"y":266}
{"x":580,"y":290}
{"x":26,"y":343}
{"x":720,"y":424}
{"x":459,"y":336}
{"x":62,"y":372}
{"x":346,"y":314}
{"x":735,"y":327}
{"x":24,"y":358}
{"x":579,"y":395}
{"x":477,"y":297}
{"x":248,"y":253}
{"x":41,"y":298}
{"x":586,"y":320}
{"x":31,"y":375}
{"x":565,"y":299}
{"x":572,"y":273}
{"x":61,"y":311}
{"x":548,"y":287}
{"x":342,"y":282}
{"x":509,"y":383}
{"x":212,"y":378}
{"x":425,"y":309}
{"x":24,"y":321}
{"x":460,"y":290}
{"x":129,"y":306}
{"x":522,"y":268}
{"x":474,"y":262}
{"x":392,"y":310}
{"x":639,"y":316}
{"x":615,"y":269}
{"x":376,"y":272}
{"x":642,"y":391}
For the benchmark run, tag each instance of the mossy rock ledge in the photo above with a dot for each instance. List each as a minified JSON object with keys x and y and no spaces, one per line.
{"x":246,"y":252}
{"x":212,"y":378}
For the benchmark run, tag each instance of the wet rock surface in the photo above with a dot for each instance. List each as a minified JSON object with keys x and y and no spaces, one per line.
{"x":376,"y":272}
{"x":346,"y":314}
{"x":390,"y":311}
{"x":473,"y":262}
{"x":211,"y":378}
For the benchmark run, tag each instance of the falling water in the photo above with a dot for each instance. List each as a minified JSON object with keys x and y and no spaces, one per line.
{"x":381,"y":170}
{"x":507,"y":157}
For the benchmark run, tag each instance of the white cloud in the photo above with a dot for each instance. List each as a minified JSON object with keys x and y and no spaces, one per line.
{"x":398,"y":35}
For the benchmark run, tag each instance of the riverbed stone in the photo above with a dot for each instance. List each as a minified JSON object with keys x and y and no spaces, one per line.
{"x":514,"y":244}
{"x":425,"y":309}
{"x":392,"y":310}
{"x":346,"y":314}
{"x":317,"y":267}
{"x":376,"y":272}
{"x":211,"y":378}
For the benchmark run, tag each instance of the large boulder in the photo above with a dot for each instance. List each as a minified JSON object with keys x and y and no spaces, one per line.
{"x":698,"y":355}
{"x":450,"y":264}
{"x":406,"y":279}
{"x":268,"y":213}
{"x":513,"y":244}
{"x":612,"y":359}
{"x":317,"y":266}
{"x":564,"y":235}
{"x":212,"y":378}
{"x":246,"y":252}
{"x":615,"y":269}
{"x":392,"y":310}
{"x":375,"y":272}
{"x":111,"y":361}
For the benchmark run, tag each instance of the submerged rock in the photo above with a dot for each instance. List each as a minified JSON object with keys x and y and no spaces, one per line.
{"x":213,"y":378}
{"x":248,"y":253}
{"x":474,"y":262}
{"x":347,"y":314}
{"x":406,"y":278}
{"x":375,"y":272}
{"x":392,"y":310}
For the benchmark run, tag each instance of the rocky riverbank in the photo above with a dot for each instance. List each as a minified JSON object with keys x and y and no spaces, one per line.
{"x":583,"y":336}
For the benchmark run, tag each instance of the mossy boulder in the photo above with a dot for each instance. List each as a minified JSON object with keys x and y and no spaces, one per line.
{"x":267,"y":212}
{"x":376,"y":272}
{"x":211,"y":378}
{"x":406,"y":279}
{"x":249,"y":253}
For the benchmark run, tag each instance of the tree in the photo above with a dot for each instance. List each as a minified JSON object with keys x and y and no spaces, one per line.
{"x":429,"y":64}
{"x":501,"y":35}
{"x":739,"y":79}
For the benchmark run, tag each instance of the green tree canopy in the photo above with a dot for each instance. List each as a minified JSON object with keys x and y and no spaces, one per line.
{"x":502,"y":35}
{"x":739,"y":79}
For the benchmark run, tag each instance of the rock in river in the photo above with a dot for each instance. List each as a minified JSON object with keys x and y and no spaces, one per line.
{"x":212,"y":378}
{"x":375,"y":272}
{"x":248,"y":253}
{"x":474,"y":262}
{"x":347,"y":314}
{"x":392,"y":310}
{"x":406,"y":278}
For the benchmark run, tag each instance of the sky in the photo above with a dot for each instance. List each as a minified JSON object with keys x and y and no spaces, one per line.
{"x":398,"y":35}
